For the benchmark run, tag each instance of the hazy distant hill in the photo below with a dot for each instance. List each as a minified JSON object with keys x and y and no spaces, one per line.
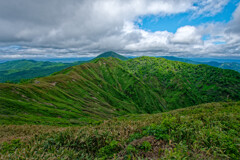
{"x":224,"y":65}
{"x":112,"y":54}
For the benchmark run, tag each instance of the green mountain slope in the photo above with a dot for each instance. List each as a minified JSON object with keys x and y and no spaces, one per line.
{"x":182,"y":84}
{"x":207,"y":131}
{"x":112,"y":54}
{"x":14,"y":71}
{"x":109,"y":87}
{"x":21,"y":70}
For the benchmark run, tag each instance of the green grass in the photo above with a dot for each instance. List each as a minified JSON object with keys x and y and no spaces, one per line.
{"x":114,"y":109}
{"x":21,"y":71}
{"x":107,"y":87}
{"x":207,"y":131}
{"x":181,"y":84}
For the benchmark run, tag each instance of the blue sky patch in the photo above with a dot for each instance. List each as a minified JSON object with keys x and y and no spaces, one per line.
{"x":171,"y":23}
{"x":219,"y":42}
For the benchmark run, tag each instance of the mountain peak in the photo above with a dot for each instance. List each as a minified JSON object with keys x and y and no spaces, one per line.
{"x":112,"y":54}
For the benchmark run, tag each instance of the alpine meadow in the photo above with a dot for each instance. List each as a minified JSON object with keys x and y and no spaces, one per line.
{"x":120,"y":80}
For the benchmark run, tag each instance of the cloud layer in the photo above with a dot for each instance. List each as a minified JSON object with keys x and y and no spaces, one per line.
{"x":60,"y":28}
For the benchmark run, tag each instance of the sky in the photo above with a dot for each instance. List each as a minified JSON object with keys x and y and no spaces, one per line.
{"x":86,"y":28}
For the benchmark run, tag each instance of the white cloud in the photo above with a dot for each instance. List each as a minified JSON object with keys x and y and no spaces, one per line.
{"x":187,"y":35}
{"x":233,"y":26}
{"x":82,"y":27}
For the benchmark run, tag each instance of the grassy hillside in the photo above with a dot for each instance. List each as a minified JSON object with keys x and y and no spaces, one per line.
{"x":22,"y":70}
{"x":182,"y":84}
{"x":109,"y":87}
{"x":92,"y":91}
{"x":207,"y":131}
{"x":15,"y":71}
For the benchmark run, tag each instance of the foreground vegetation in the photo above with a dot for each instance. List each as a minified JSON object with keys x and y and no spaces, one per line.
{"x":207,"y":131}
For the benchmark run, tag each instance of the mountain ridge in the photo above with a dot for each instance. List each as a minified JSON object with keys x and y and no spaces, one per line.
{"x":109,"y":87}
{"x":23,"y":70}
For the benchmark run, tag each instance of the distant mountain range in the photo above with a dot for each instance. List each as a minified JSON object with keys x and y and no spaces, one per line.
{"x":22,"y":70}
{"x":224,"y":65}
